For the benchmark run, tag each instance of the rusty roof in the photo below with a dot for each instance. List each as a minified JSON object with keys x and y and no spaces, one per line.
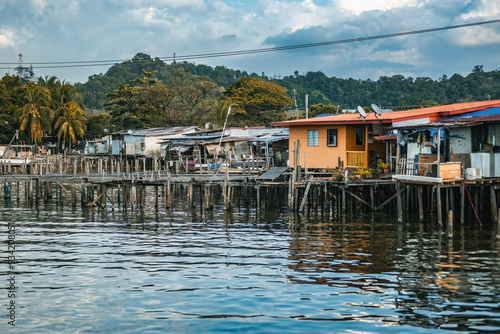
{"x":157,"y":131}
{"x":395,"y":116}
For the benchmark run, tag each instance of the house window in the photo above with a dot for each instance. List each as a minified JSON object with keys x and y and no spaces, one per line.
{"x":312,"y":137}
{"x":331,"y":137}
{"x":360,"y":136}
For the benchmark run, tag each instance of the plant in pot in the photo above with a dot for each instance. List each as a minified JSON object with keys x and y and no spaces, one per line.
{"x":382,"y":166}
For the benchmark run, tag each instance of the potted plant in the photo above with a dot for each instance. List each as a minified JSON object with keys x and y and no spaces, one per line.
{"x":382,"y":166}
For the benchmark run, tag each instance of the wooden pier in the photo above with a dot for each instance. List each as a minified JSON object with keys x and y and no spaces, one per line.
{"x":119,"y":182}
{"x":105,"y":182}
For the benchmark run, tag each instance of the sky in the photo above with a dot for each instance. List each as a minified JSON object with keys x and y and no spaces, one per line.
{"x":116,"y":30}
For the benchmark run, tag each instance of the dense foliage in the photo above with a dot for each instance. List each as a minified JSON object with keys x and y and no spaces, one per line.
{"x":396,"y":92}
{"x":40,"y":110}
{"x":182,"y":99}
{"x":147,"y":92}
{"x":255,"y":101}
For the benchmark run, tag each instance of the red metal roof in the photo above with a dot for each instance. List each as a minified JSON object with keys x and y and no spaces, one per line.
{"x":395,"y":116}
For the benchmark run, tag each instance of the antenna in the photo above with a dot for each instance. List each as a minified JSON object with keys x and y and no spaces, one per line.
{"x":376,"y":109}
{"x":361,"y":111}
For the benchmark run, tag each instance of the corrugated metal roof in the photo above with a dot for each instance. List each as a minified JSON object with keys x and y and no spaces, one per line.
{"x":158,"y":131}
{"x":189,"y":138}
{"x":396,"y":116}
{"x":486,"y":115}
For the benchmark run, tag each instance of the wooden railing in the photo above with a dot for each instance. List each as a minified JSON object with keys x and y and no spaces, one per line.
{"x":356,"y":159}
{"x":448,"y":170}
{"x":406,"y":166}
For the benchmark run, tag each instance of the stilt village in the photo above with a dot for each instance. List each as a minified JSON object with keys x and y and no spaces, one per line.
{"x":438,"y":164}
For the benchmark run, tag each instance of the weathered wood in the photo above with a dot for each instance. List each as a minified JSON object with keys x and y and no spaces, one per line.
{"x":306,"y":192}
{"x":95,"y":201}
{"x":399,"y":203}
{"x":420,"y":203}
{"x":493,"y":203}
{"x":450,"y":224}
{"x":438,"y":205}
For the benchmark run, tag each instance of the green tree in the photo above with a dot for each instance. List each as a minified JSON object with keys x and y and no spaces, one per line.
{"x":98,"y":125}
{"x":255,"y":101}
{"x":140,"y":106}
{"x":321,"y":108}
{"x":194,"y":98}
{"x":71,"y":124}
{"x":35,"y":116}
{"x":11,"y":99}
{"x":63,"y":97}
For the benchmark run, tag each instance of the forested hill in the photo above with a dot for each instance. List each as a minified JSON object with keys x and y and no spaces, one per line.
{"x":95,"y":89}
{"x":397,"y":91}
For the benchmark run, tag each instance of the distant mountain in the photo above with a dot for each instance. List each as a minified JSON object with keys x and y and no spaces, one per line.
{"x":396,"y":92}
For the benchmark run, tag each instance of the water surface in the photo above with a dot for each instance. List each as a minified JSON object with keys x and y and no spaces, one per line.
{"x":246,"y":271}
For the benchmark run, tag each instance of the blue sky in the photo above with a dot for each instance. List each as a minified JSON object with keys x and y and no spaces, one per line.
{"x":80,"y":30}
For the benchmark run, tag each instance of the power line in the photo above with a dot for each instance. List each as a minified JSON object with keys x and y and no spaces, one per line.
{"x":86,"y":63}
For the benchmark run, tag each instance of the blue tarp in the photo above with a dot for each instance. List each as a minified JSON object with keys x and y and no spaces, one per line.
{"x":485,"y":112}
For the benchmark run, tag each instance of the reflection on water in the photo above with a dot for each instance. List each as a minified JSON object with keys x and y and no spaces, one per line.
{"x":188,"y":270}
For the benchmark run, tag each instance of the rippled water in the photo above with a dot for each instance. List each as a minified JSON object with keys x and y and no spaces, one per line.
{"x":245,"y":271}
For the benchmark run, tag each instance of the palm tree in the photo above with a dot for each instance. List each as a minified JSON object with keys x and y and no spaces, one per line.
{"x":35,"y":114}
{"x":71,"y":124}
{"x":63,"y":97}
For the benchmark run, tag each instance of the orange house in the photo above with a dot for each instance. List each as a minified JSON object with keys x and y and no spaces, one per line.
{"x":349,"y":138}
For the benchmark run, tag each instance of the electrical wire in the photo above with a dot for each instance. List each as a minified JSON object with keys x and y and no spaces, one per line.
{"x":86,"y":63}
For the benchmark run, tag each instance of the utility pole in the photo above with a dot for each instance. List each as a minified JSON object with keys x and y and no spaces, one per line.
{"x":307,"y":108}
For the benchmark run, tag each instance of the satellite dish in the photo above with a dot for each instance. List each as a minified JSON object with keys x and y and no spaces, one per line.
{"x":361,"y":111}
{"x":376,"y":109}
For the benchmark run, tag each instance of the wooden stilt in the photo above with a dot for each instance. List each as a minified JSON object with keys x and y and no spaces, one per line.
{"x":450,"y":224}
{"x":400,"y":207}
{"x":438,"y":205}
{"x":493,"y":203}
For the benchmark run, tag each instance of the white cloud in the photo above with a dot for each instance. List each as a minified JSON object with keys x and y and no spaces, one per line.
{"x":483,"y":9}
{"x":118,"y":29}
{"x":6,"y":38}
{"x":359,"y":6}
{"x":476,"y":36}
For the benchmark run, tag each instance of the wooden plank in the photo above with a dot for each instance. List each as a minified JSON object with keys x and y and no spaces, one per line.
{"x":273,"y":173}
{"x":360,"y":199}
{"x":416,"y":178}
{"x":306,"y":192}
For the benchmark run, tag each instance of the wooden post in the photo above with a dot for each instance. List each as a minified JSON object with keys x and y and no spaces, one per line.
{"x":134,"y":196}
{"x":498,"y":226}
{"x":462,"y":202}
{"x":399,"y":202}
{"x":450,"y":224}
{"x":344,"y":200}
{"x":372,"y":197}
{"x":73,"y":195}
{"x":438,"y":152}
{"x":420,"y":203}
{"x":493,"y":202}
{"x":156,"y":197}
{"x":438,"y":205}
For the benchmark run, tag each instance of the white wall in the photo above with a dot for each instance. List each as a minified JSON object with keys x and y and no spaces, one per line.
{"x":459,"y":145}
{"x":415,"y":149}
